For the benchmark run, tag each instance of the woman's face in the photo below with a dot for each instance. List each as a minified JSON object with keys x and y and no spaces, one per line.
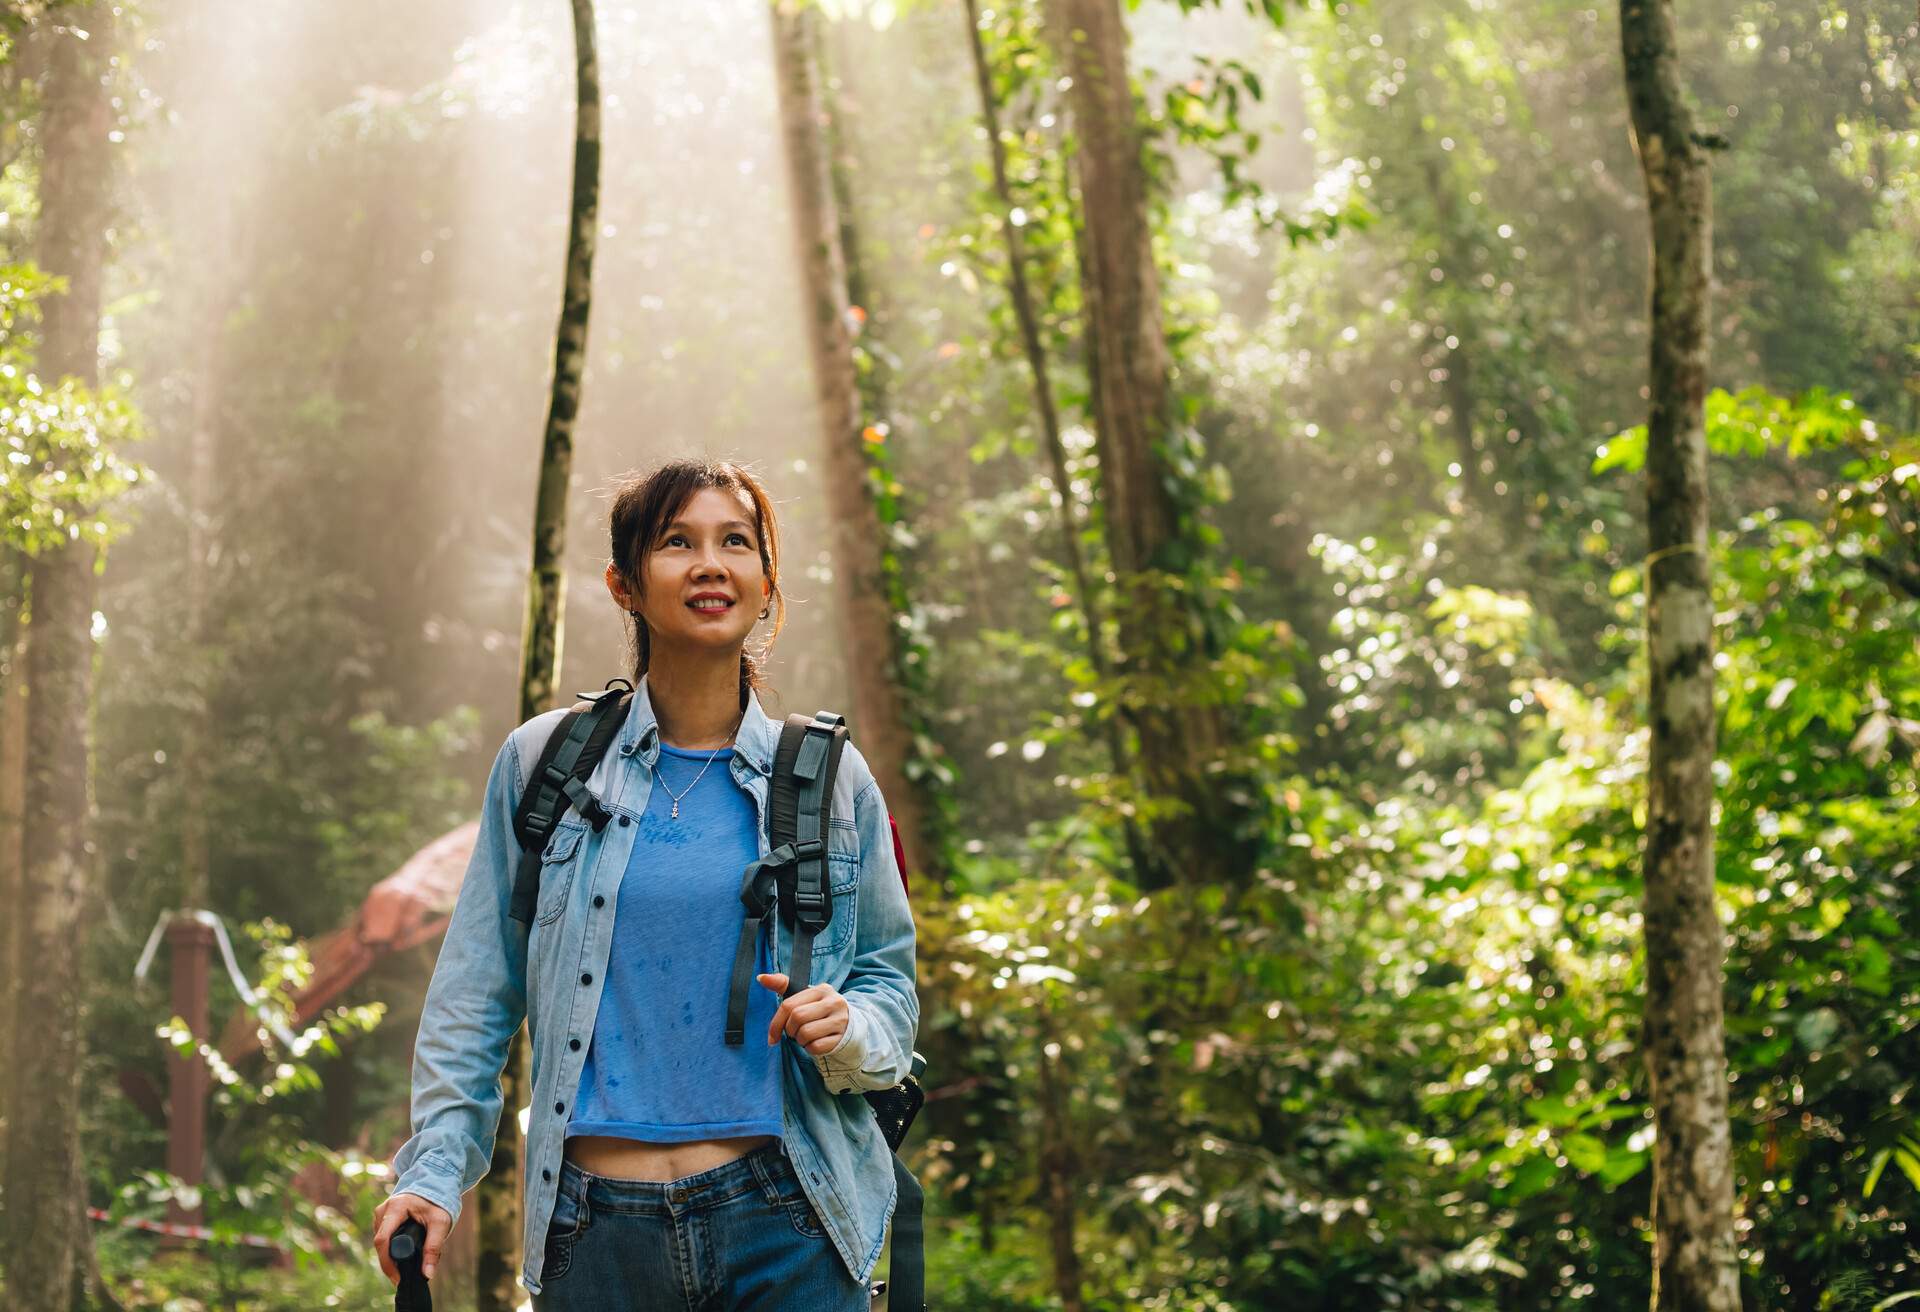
{"x":703,"y":584}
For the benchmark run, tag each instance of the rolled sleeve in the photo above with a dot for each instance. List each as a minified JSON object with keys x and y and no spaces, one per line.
{"x":883,"y":1004}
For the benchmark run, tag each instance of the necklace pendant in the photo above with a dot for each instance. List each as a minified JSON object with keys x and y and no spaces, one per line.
{"x":676,"y":812}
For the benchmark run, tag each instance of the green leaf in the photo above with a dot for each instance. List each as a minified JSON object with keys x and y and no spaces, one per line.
{"x":1880,"y":1160}
{"x":1587,"y":1153}
{"x":1626,"y":450}
{"x":1537,"y":1175}
{"x":1907,"y":1158}
{"x":1553,"y":1111}
{"x":1622,"y":1165}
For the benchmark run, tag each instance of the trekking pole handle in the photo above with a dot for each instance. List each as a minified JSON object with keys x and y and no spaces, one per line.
{"x":407,"y":1247}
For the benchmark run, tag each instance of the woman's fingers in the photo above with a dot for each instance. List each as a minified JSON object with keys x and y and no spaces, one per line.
{"x":382,"y":1232}
{"x":391,"y":1214}
{"x":808,"y":1005}
{"x":821,"y":1035}
{"x":437,"y":1222}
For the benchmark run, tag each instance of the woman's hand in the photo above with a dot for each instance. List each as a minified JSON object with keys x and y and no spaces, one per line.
{"x":816,"y":1017}
{"x":391,"y":1214}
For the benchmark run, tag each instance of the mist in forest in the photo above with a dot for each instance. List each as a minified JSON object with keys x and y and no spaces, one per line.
{"x":380,"y":196}
{"x":383,"y":192}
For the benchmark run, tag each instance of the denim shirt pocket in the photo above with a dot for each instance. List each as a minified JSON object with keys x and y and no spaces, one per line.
{"x":843,"y":881}
{"x":557,"y":865}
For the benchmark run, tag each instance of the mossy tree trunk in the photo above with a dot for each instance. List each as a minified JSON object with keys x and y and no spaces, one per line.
{"x":497,"y":1198}
{"x":1695,"y":1258}
{"x":1202,"y":837}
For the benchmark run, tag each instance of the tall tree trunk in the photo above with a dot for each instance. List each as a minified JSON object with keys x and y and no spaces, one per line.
{"x":497,"y":1198}
{"x":13,"y":779}
{"x":880,"y":713}
{"x":1695,"y":1260}
{"x":926,"y":850}
{"x":48,"y":1245}
{"x":1035,"y":352}
{"x":1205,"y":839}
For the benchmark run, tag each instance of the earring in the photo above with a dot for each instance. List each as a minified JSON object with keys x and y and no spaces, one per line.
{"x":765,"y":612}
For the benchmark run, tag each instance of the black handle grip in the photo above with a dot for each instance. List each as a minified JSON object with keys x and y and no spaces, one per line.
{"x":408,"y":1250}
{"x":408,"y":1246}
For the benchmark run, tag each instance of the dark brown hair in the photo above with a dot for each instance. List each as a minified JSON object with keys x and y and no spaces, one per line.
{"x":644,"y":504}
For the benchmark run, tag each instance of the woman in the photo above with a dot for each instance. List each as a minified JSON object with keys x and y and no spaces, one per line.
{"x":665,"y":1168}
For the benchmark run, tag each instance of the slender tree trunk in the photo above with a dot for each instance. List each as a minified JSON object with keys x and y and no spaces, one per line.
{"x":497,"y":1198}
{"x":1205,"y":839}
{"x":1033,"y":348}
{"x":1059,"y":1176}
{"x":1695,"y":1259}
{"x":48,"y":1245}
{"x":190,"y":944}
{"x":880,"y":714}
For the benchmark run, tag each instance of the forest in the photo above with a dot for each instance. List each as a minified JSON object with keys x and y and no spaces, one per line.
{"x":1372,"y":546}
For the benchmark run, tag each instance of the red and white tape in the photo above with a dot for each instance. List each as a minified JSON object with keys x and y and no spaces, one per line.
{"x":179,"y":1231}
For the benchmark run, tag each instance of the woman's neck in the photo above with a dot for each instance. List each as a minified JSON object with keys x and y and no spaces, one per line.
{"x":696,"y":702}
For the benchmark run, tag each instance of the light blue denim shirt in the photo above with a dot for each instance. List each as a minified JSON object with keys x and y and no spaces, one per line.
{"x":493,"y":972}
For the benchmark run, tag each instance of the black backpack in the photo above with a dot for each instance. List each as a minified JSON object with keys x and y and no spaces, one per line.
{"x":790,"y":881}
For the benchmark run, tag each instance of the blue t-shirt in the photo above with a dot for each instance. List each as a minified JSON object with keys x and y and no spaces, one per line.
{"x":658,"y":1069}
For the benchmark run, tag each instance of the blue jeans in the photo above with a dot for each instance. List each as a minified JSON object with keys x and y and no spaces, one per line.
{"x":739,"y":1238}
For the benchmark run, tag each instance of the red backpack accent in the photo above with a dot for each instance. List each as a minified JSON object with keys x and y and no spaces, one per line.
{"x":899,"y":854}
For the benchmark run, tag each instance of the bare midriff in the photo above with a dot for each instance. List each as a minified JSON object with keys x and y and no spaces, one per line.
{"x":634,"y":1159}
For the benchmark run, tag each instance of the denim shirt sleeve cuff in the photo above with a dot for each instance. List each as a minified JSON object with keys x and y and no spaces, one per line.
{"x":840,"y":1066}
{"x":435,"y":1182}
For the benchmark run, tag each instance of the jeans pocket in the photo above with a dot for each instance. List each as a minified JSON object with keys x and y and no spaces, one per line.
{"x":785,"y":1194}
{"x":564,"y":1228}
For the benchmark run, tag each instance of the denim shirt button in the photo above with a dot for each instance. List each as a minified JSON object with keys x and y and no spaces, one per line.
{"x":574,"y":1044}
{"x":546,"y":1175}
{"x":625,"y":820}
{"x":586,"y":979}
{"x":598,"y":900}
{"x":558,"y":1108}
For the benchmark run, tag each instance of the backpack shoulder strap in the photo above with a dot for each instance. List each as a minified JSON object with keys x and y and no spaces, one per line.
{"x":792,"y":877}
{"x":571,"y":754}
{"x":808,"y":774}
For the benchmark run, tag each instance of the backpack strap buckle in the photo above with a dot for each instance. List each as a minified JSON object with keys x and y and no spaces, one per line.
{"x":585,"y":801}
{"x":802,"y":890}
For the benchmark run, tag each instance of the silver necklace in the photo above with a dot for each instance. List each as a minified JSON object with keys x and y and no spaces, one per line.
{"x":703,"y":769}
